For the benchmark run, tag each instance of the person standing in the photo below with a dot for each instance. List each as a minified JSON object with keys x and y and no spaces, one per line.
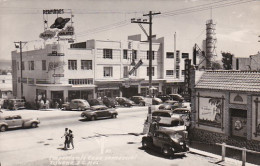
{"x":66,"y":135}
{"x":71,"y":136}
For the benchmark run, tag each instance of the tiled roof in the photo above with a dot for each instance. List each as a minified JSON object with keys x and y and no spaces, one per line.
{"x":230,"y":80}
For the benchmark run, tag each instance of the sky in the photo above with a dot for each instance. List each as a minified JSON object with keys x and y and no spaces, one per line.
{"x":237,"y":22}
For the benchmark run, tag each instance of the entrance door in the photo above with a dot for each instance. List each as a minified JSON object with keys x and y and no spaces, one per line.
{"x":238,"y":122}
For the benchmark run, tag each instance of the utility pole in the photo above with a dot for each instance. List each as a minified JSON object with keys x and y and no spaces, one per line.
{"x":149,"y":37}
{"x":21,"y":60}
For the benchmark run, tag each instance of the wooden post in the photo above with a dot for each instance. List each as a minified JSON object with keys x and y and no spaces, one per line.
{"x":244,"y":156}
{"x":223,"y":151}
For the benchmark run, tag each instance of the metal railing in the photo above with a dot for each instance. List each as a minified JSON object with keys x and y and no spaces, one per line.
{"x":244,"y":150}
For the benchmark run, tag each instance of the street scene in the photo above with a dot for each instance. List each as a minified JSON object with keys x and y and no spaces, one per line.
{"x":143,"y":82}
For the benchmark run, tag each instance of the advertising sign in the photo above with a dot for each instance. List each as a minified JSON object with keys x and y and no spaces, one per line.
{"x":47,"y":34}
{"x":210,"y":110}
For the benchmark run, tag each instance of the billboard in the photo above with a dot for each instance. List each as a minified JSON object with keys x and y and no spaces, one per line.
{"x":210,"y":111}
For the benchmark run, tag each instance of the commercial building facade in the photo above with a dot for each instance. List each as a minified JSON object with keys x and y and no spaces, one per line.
{"x":91,"y":69}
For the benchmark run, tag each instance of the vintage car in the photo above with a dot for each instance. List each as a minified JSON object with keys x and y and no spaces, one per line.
{"x":15,"y":121}
{"x":76,"y":104}
{"x":99,"y":111}
{"x":14,"y":104}
{"x":176,"y":97}
{"x":124,"y":101}
{"x":169,"y":142}
{"x":93,"y":102}
{"x":168,"y":118}
{"x":139,"y":100}
{"x":110,"y":102}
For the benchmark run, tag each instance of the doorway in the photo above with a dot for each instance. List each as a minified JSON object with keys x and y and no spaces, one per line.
{"x":238,"y":122}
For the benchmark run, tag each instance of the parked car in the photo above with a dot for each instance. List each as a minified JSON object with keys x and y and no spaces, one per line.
{"x":110,"y":102}
{"x":168,"y":142}
{"x":76,"y":104}
{"x":99,"y":111}
{"x":166,"y":117}
{"x":156,"y":101}
{"x":139,"y":100}
{"x":176,"y":97}
{"x":14,"y":104}
{"x":164,"y":97}
{"x":184,"y":113}
{"x":15,"y":121}
{"x":124,"y":101}
{"x":168,"y":106}
{"x":93,"y":102}
{"x":172,"y":102}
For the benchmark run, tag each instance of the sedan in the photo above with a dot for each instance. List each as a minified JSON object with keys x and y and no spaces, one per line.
{"x":99,"y":111}
{"x":76,"y":104}
{"x":16,"y":121}
{"x":124,"y":101}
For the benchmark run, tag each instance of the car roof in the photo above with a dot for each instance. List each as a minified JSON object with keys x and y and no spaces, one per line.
{"x":163,"y":111}
{"x":78,"y":100}
{"x":98,"y":106}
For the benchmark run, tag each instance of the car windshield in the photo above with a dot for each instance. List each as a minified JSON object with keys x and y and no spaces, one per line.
{"x":177,"y":123}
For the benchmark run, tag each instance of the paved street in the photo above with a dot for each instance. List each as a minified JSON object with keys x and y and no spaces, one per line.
{"x":101,"y":142}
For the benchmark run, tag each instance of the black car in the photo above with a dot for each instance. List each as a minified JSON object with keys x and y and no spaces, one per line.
{"x":110,"y":102}
{"x":169,"y":142}
{"x":124,"y":101}
{"x":164,"y":97}
{"x":93,"y":102}
{"x":99,"y":111}
{"x":176,"y":97}
{"x":139,"y":100}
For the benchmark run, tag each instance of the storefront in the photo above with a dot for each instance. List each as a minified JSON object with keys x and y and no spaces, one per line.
{"x":108,"y":88}
{"x":225,"y":108}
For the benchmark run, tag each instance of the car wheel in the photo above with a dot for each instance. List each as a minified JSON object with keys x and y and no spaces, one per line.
{"x":113,"y":116}
{"x":93,"y":118}
{"x":145,"y":144}
{"x":34,"y":125}
{"x":3,"y":128}
{"x":165,"y":151}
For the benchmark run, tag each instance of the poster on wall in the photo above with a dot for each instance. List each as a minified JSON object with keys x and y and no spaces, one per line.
{"x":210,"y":111}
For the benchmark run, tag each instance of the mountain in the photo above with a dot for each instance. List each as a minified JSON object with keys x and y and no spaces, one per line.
{"x":5,"y":64}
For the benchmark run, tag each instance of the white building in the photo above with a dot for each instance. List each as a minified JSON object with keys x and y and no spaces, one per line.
{"x":94,"y":68}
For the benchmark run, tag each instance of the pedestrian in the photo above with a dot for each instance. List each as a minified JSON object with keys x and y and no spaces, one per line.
{"x":66,"y":135}
{"x":71,"y":136}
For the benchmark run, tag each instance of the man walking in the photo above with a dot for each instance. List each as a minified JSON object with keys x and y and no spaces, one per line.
{"x":66,"y":135}
{"x":71,"y":136}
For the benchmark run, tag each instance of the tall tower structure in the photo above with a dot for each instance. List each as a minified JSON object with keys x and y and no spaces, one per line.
{"x":210,"y":42}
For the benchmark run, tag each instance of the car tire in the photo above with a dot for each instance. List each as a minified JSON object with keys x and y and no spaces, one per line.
{"x":34,"y":125}
{"x":3,"y":128}
{"x":165,"y":151}
{"x":113,"y":116}
{"x":145,"y":144}
{"x":93,"y":118}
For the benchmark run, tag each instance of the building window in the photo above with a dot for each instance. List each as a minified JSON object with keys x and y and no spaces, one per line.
{"x":22,"y":65}
{"x":148,"y":71}
{"x":125,"y":54}
{"x":108,"y":71}
{"x":125,"y":72}
{"x":3,"y":81}
{"x":178,"y":56}
{"x":185,"y":55}
{"x":169,"y":72}
{"x":169,"y":54}
{"x":134,"y":54}
{"x":147,"y":53}
{"x":18,"y":66}
{"x":86,"y":64}
{"x":177,"y":73}
{"x":81,"y":81}
{"x":31,"y":65}
{"x":44,"y":65}
{"x":183,"y":72}
{"x":72,"y":64}
{"x":107,"y":54}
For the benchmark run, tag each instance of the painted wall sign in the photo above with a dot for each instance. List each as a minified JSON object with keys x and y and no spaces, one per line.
{"x":237,"y":98}
{"x":47,"y":34}
{"x":210,"y":110}
{"x":53,"y":11}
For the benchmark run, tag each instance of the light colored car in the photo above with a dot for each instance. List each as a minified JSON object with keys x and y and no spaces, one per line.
{"x":166,"y":117}
{"x":15,"y":121}
{"x":99,"y":111}
{"x":76,"y":104}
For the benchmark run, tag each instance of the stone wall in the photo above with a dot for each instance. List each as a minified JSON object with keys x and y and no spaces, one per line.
{"x":208,"y":137}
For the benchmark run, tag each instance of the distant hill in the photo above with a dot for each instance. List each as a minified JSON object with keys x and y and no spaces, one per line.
{"x":5,"y":64}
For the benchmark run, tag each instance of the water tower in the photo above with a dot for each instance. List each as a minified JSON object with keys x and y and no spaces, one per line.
{"x":210,"y":42}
